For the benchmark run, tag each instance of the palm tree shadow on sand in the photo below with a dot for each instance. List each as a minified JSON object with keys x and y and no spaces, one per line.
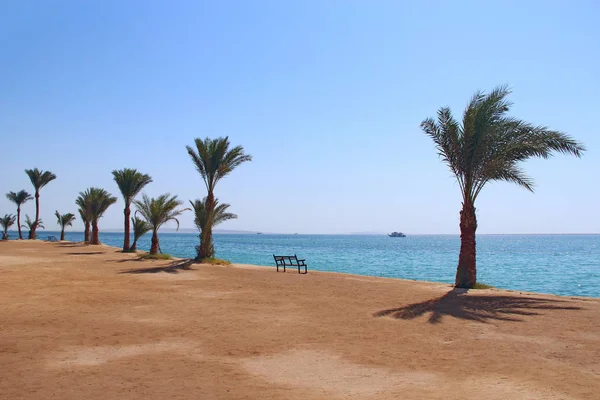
{"x":481,"y":308}
{"x":173,"y":268}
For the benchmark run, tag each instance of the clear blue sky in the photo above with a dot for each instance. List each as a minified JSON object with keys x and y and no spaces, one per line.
{"x":327,"y":96}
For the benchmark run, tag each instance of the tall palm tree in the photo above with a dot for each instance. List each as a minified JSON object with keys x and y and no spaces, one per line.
{"x":29,"y":224}
{"x":7,"y":221}
{"x":19,"y":198}
{"x":39,"y":179}
{"x":205,"y":218}
{"x":214,"y":161}
{"x":64,"y":221}
{"x":100,"y":200}
{"x":488,"y":146}
{"x":140,"y":228}
{"x":130,"y":183}
{"x":157,"y":211}
{"x":84,"y":202}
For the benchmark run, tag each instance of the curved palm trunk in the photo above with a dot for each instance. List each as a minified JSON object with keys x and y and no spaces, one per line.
{"x":466,"y":273}
{"x":127,"y":213}
{"x":95,"y":233}
{"x":86,"y":232}
{"x":62,"y":233}
{"x":37,"y":215}
{"x":206,"y":249}
{"x":154,"y":247}
{"x":19,"y":222}
{"x":133,"y":246}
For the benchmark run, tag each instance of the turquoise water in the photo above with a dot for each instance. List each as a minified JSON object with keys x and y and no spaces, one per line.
{"x":558,"y":264}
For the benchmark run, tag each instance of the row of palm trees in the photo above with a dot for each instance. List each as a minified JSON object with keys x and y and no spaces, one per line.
{"x":212,"y":158}
{"x":487,"y":145}
{"x":38,"y":179}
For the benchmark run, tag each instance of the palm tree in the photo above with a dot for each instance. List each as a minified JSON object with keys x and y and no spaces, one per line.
{"x":84,"y":203}
{"x":29,"y":224}
{"x":64,"y":221}
{"x":214,"y":160}
{"x":157,"y":211}
{"x":488,"y":146}
{"x":140,"y":228}
{"x":205,"y":218}
{"x":39,"y":179}
{"x":19,"y":198}
{"x":7,"y":221}
{"x":99,"y":202}
{"x":130,"y":183}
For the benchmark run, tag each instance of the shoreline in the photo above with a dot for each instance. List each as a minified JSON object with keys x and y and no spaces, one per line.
{"x":314,"y":271}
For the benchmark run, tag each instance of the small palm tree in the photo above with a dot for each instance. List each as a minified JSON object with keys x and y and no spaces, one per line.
{"x":205,"y":218}
{"x":7,"y":221}
{"x":130,"y":182}
{"x":140,"y":228}
{"x":39,"y":179}
{"x":19,"y":198}
{"x":29,"y":224}
{"x":157,"y":211}
{"x":214,"y":160}
{"x":84,"y":203}
{"x":99,"y":202}
{"x":64,"y":221}
{"x":488,"y":146}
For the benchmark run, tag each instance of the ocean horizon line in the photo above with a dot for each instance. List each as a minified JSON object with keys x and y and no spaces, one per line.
{"x":227,"y":232}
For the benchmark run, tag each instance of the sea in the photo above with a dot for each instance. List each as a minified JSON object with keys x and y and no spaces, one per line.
{"x":557,"y":264}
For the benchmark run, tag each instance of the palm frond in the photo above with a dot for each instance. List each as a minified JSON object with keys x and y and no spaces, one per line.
{"x":489,"y":145}
{"x":160,"y":210}
{"x":214,"y":160}
{"x":93,"y":203}
{"x":29,"y":223}
{"x":140,"y":227}
{"x":130,"y":182}
{"x":7,"y":221}
{"x":19,"y":198}
{"x":65,"y":219}
{"x":204,"y":217}
{"x":39,"y":178}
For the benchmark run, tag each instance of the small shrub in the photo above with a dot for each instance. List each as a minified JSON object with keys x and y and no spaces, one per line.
{"x":149,"y":256}
{"x":479,"y":285}
{"x":213,"y":261}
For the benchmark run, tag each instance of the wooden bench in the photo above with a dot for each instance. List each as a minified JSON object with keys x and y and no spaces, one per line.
{"x":52,"y":239}
{"x":290,"y":261}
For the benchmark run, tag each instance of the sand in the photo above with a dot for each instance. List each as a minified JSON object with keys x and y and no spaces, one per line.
{"x":88,"y":322}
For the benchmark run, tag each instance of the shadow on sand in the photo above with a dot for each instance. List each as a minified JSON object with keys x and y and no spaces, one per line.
{"x":73,"y":244}
{"x":173,"y":268}
{"x":458,"y":304}
{"x":83,"y":253}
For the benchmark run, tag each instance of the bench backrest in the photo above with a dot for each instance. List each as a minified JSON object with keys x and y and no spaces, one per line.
{"x":281,"y":260}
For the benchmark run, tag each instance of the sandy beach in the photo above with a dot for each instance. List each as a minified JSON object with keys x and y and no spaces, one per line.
{"x":88,"y":322}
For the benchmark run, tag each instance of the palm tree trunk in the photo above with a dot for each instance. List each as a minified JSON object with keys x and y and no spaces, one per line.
{"x":62,"y":233}
{"x":466,"y":273}
{"x":206,"y":247}
{"x":19,"y":222}
{"x":133,"y":246}
{"x":127,"y":213}
{"x":154,"y":247}
{"x":86,"y":232}
{"x":95,"y":233}
{"x":37,"y":215}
